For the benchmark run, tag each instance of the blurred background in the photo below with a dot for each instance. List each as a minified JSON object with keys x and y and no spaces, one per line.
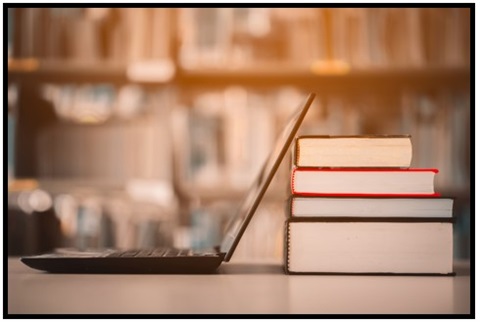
{"x":134,"y":127}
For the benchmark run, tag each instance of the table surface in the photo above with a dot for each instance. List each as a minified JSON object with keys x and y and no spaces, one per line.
{"x":237,"y":288}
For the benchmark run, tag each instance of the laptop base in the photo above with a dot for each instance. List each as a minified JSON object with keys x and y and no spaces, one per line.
{"x":127,"y":265}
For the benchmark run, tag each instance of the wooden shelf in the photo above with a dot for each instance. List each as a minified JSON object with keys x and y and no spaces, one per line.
{"x":347,"y":80}
{"x":265,"y":76}
{"x":64,"y":72}
{"x":35,"y":71}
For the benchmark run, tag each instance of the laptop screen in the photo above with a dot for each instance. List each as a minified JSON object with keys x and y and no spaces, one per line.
{"x":239,"y":222}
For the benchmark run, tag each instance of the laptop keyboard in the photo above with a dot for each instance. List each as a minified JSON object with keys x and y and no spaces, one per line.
{"x":159,"y":252}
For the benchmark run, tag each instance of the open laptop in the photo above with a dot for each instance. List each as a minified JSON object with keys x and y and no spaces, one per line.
{"x":178,"y":261}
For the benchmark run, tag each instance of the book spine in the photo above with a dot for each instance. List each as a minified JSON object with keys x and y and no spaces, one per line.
{"x":296,"y":153}
{"x":288,"y":206}
{"x":286,"y":249}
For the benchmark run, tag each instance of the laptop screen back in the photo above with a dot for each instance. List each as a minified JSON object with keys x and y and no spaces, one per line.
{"x":249,"y":205}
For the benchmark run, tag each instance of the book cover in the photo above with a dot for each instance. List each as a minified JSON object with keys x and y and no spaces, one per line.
{"x":377,"y":246}
{"x":363,"y":182}
{"x":385,"y":151}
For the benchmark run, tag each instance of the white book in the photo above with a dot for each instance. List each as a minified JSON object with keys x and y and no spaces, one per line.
{"x":353,"y":151}
{"x":369,"y":247}
{"x":371,"y":207}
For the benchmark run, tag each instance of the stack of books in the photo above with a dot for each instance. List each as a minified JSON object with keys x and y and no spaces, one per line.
{"x":357,"y":207}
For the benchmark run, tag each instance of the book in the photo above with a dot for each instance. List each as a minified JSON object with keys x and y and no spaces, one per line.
{"x":353,"y":151}
{"x":399,"y":207}
{"x":369,"y":246}
{"x":363,"y":182}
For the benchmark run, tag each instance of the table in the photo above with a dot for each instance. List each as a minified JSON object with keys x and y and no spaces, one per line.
{"x":236,"y":288}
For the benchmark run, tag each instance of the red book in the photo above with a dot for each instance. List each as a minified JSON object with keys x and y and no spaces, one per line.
{"x":363,"y":182}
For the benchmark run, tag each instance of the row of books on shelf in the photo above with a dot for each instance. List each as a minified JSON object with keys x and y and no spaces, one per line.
{"x":98,"y":103}
{"x":360,"y":208}
{"x":440,"y":126}
{"x":97,"y":132}
{"x":219,"y":37}
{"x":221,"y":137}
{"x":225,"y":142}
{"x":62,"y":213}
{"x":113,"y":152}
{"x":90,"y":34}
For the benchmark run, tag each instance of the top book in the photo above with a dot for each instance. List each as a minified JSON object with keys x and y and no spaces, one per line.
{"x":379,"y":151}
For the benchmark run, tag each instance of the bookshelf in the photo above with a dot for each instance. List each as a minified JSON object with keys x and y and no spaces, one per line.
{"x":371,"y":75}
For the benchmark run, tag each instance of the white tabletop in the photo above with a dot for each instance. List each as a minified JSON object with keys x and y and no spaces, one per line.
{"x":237,"y":288}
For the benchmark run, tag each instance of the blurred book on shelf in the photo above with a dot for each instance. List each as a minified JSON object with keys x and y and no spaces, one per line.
{"x":12,"y":96}
{"x":263,"y":239}
{"x":446,"y":35}
{"x":10,"y":30}
{"x":224,"y":137}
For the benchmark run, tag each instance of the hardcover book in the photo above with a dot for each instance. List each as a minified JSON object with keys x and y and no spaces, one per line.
{"x":393,"y":151}
{"x":398,"y":207}
{"x":363,"y":182}
{"x":369,"y":246}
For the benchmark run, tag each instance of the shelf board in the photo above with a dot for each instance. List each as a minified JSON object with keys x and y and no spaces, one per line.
{"x":38,"y":71}
{"x":339,"y":78}
{"x":330,"y":80}
{"x":30,"y":70}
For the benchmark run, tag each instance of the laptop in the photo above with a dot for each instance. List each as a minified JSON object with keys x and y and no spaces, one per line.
{"x":170,"y":260}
